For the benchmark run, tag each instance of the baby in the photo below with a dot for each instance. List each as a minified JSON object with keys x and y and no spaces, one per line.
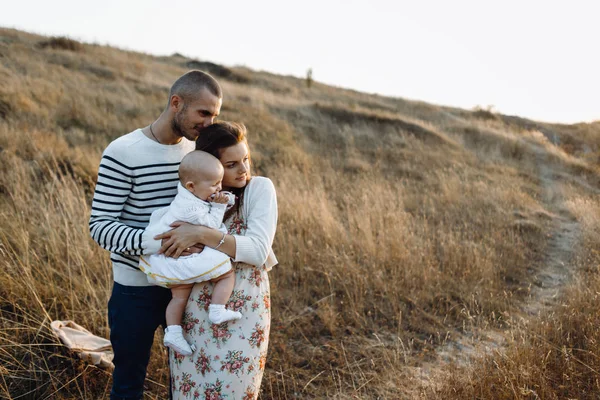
{"x":200,"y":202}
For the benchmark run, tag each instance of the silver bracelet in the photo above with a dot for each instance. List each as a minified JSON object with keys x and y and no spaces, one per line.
{"x":221,"y":241}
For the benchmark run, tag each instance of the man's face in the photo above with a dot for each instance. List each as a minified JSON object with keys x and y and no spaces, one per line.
{"x":191,"y":118}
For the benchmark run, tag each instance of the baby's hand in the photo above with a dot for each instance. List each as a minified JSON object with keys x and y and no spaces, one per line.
{"x":221,"y":198}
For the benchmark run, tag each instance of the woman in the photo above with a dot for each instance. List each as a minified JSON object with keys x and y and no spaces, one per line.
{"x":230,"y":357}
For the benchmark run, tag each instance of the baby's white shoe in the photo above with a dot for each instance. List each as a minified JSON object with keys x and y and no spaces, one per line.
{"x":217,"y":314}
{"x":174,"y":340}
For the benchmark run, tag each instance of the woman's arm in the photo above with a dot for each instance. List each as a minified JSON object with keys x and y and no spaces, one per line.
{"x":252,"y":248}
{"x":184,"y":235}
{"x":261,"y":220}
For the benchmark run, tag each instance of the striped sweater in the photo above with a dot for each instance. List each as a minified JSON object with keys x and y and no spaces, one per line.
{"x":136,"y":176}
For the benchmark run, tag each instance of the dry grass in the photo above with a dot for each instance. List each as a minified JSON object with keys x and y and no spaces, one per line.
{"x":403,"y":227}
{"x":556,"y":356}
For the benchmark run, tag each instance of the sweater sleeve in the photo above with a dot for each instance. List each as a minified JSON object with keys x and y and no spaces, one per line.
{"x":261,"y":219}
{"x":112,"y":190}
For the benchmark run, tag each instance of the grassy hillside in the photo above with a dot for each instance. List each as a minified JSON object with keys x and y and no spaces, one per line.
{"x":405,"y":229}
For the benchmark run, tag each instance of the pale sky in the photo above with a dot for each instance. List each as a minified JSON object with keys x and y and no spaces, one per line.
{"x":537,"y":59}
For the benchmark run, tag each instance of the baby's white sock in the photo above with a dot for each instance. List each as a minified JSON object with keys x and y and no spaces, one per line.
{"x":217,"y":314}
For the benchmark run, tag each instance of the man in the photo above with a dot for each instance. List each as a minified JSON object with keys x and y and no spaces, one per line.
{"x":137,"y":175}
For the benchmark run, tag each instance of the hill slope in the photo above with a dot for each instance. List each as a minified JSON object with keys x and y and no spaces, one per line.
{"x":404,"y":228}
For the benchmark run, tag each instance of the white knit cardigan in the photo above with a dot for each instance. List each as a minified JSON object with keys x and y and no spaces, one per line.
{"x":259,"y":211}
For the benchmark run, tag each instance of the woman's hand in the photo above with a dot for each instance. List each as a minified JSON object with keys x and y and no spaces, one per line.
{"x":195,"y":249}
{"x":182,"y":239}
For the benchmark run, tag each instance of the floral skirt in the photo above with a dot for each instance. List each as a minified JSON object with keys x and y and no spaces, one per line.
{"x":230,"y":358}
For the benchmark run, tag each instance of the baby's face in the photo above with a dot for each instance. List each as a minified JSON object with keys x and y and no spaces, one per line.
{"x":206,"y":185}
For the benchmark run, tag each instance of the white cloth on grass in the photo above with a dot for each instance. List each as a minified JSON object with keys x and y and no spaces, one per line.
{"x":89,"y":347}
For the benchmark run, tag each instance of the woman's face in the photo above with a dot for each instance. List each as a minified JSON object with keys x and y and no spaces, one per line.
{"x":236,"y":162}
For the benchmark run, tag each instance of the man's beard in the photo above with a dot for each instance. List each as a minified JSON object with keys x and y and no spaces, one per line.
{"x":176,"y":127}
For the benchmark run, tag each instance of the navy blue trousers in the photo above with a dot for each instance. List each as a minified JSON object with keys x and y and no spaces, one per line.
{"x":134,"y":313}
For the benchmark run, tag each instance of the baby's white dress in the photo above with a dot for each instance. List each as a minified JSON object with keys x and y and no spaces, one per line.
{"x":198,"y":267}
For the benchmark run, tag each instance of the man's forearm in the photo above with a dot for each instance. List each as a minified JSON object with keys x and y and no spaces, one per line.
{"x":115,"y":236}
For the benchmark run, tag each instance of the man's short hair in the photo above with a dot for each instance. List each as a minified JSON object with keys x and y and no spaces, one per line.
{"x":190,"y":84}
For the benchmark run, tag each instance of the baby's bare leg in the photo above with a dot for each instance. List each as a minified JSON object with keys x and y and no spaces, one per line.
{"x":176,"y":306}
{"x":223,"y":287}
{"x":174,"y":333}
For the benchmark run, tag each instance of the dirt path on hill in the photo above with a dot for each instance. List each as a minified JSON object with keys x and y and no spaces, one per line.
{"x":547,"y":283}
{"x":550,"y":279}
